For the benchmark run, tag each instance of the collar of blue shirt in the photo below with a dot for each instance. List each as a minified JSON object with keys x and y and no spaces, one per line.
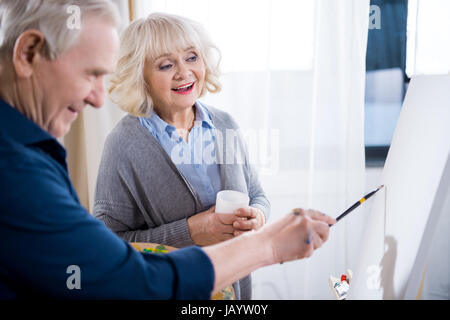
{"x":15,"y":126}
{"x":158,"y":126}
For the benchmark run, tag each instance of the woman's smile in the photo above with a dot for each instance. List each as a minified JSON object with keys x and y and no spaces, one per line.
{"x":184,"y":89}
{"x":175,"y":79}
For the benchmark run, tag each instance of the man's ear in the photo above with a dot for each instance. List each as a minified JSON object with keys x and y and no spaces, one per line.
{"x":27,"y":51}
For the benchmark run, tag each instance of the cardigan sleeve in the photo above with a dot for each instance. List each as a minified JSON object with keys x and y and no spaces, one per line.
{"x":258,"y":198}
{"x":119,"y":201}
{"x":175,"y":234}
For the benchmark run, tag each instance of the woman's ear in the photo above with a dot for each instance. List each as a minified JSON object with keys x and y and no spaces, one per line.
{"x":28,"y":50}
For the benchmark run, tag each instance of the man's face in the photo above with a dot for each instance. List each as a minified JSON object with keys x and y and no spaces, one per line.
{"x":62,"y":87}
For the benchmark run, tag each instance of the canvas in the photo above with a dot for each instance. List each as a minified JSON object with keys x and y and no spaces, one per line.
{"x":405,"y":214}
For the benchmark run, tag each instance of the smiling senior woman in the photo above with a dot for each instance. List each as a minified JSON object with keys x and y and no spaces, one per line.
{"x":163,"y":164}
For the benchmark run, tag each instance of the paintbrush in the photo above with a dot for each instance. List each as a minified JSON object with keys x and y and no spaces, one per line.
{"x":357,"y":204}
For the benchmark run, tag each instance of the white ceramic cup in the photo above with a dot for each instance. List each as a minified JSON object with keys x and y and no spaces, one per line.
{"x":227,"y":201}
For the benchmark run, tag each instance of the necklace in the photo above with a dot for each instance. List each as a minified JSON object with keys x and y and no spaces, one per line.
{"x":190,"y":124}
{"x":184,"y":132}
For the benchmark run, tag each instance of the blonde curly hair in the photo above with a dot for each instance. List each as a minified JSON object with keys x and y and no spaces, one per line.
{"x":149,"y":38}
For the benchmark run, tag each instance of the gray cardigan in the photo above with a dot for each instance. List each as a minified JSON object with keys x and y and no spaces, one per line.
{"x":142,"y":196}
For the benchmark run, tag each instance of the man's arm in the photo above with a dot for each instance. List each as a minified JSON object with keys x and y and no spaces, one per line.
{"x":44,"y":231}
{"x":292,"y":237}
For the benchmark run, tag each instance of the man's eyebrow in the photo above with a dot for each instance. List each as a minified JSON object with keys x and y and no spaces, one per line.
{"x":99,"y":71}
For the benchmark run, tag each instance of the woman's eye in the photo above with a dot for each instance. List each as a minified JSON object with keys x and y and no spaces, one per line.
{"x":165,"y":67}
{"x":192,"y":58}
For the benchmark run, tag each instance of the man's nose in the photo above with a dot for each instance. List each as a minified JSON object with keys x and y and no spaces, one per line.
{"x":96,"y":97}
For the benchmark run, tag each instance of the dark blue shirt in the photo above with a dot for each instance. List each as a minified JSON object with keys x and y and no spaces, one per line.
{"x":44,"y":231}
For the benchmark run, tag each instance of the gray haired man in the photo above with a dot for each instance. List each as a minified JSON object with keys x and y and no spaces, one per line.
{"x":51,"y":68}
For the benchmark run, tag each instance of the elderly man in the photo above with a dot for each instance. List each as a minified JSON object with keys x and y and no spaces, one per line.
{"x":50,"y":70}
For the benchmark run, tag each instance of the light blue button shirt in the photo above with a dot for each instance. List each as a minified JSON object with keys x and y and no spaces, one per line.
{"x":196,"y":160}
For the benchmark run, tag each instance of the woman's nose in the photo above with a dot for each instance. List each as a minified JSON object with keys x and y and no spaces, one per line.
{"x":183,"y":72}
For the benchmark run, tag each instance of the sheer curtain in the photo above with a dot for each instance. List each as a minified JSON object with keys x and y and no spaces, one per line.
{"x":428,"y":31}
{"x":293,"y":78}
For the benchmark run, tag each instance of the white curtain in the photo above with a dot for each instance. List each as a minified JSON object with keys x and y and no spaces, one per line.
{"x":293,"y":78}
{"x":428,"y":32}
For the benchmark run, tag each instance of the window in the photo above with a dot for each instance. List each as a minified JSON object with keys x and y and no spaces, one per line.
{"x":413,"y":38}
{"x":386,"y":79}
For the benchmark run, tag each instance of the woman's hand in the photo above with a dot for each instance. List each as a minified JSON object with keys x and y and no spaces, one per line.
{"x":208,"y":227}
{"x":248,"y":219}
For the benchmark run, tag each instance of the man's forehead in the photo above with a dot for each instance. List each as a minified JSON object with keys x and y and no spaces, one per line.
{"x":97,"y":46}
{"x":97,"y":33}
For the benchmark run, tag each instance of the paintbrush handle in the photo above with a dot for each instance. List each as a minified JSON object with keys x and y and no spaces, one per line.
{"x":357,"y":204}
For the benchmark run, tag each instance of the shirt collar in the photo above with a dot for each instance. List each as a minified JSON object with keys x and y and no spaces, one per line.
{"x":160,"y":126}
{"x":19,"y":128}
{"x":203,"y":115}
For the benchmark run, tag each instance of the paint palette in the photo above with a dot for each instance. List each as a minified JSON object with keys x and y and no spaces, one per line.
{"x":225,"y":294}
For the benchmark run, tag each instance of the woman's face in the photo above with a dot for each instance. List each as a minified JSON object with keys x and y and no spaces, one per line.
{"x":175,"y":80}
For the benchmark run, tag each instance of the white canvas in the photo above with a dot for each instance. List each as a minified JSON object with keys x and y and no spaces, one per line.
{"x":417,"y":186}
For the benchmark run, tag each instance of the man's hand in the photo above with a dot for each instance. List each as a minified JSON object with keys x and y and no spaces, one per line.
{"x":298,"y":234}
{"x":294,"y":236}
